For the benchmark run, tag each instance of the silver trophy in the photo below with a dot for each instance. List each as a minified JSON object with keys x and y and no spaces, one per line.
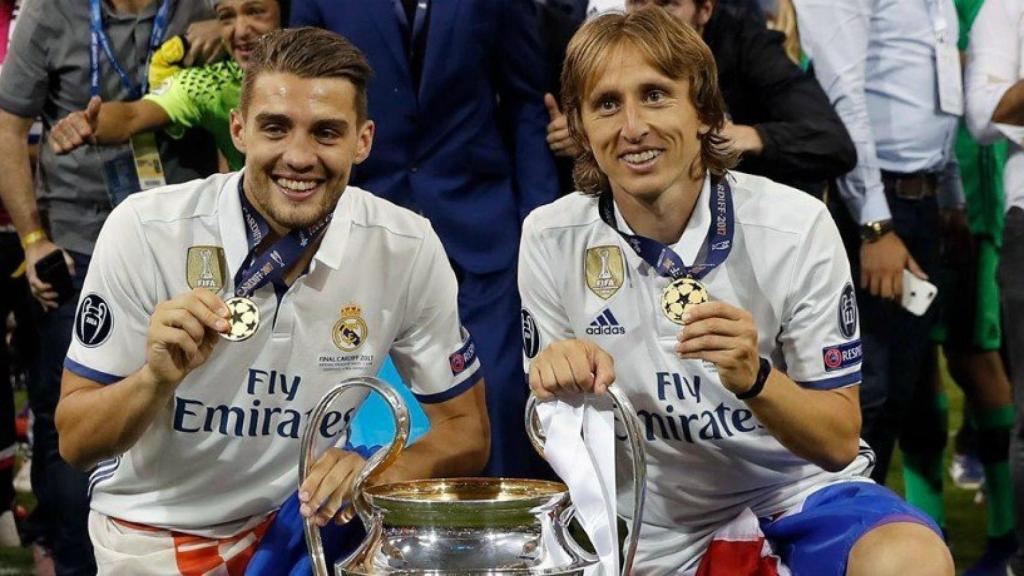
{"x":463,"y":526}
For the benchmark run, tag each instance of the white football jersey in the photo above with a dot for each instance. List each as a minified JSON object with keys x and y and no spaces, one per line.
{"x":227,"y":446}
{"x":708,"y":457}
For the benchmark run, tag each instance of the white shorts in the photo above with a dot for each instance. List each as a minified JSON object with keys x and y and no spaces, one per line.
{"x":131,"y":549}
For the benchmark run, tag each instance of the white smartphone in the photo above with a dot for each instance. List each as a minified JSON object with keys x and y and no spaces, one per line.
{"x":917,"y":293}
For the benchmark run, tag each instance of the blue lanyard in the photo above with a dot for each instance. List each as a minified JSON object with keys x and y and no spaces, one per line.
{"x":663,"y":259}
{"x":99,"y":40}
{"x":257,"y":271}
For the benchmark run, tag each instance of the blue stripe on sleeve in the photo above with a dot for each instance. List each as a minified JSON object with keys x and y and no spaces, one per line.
{"x":834,"y":382}
{"x":89,"y":373}
{"x":451,"y":392}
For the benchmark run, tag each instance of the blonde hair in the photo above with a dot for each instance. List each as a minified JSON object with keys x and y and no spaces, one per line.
{"x":672,"y":47}
{"x":784,"y":20}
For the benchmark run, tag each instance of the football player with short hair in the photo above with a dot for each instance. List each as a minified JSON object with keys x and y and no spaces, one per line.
{"x":217,"y":313}
{"x":738,"y":342}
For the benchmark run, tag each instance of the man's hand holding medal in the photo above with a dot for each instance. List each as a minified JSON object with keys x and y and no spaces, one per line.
{"x":725,"y":336}
{"x":182,"y":334}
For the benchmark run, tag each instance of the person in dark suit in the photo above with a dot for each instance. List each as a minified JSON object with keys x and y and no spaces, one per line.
{"x":457,"y":98}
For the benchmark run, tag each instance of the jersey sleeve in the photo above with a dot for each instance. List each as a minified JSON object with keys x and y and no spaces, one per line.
{"x":117,"y":299}
{"x":820,"y":334}
{"x":433,"y":352}
{"x":181,"y":97}
{"x":543,"y":317}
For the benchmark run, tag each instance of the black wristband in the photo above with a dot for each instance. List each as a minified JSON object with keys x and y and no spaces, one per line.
{"x":763,"y":371}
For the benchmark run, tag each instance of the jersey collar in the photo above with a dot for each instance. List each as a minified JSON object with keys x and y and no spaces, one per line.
{"x":696,"y":230}
{"x":232,"y":226}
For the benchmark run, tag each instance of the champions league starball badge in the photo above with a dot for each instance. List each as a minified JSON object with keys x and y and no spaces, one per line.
{"x":243,"y":317}
{"x":680,"y":295}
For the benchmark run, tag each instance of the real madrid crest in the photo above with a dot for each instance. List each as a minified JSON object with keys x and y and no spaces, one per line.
{"x":350,"y":331}
{"x":604,"y":269}
{"x":204,"y":267}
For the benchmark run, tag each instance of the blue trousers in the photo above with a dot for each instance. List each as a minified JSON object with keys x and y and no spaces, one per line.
{"x":895,"y":341}
{"x":61,"y":491}
{"x":489,"y":306}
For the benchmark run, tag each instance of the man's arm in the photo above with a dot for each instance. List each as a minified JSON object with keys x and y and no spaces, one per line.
{"x":802,"y":138}
{"x":106,"y":123}
{"x":1011,"y":106}
{"x":97,"y":421}
{"x":520,"y":89}
{"x":19,"y":200}
{"x":994,"y":88}
{"x":822,"y":426}
{"x":458,"y":444}
{"x":835,"y":35}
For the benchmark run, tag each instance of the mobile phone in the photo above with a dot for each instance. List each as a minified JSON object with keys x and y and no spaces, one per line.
{"x":918,"y":294}
{"x":53,"y":270}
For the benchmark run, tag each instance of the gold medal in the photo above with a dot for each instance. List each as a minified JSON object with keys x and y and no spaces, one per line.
{"x":680,"y":295}
{"x":243,"y":317}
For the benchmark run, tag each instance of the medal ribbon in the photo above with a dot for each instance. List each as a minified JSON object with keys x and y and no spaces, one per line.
{"x":259,"y":270}
{"x":99,"y":39}
{"x":663,"y":259}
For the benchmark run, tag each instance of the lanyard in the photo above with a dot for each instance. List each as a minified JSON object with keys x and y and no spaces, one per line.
{"x":259,"y":270}
{"x":717,"y":242}
{"x":98,"y":39}
{"x":937,"y":13}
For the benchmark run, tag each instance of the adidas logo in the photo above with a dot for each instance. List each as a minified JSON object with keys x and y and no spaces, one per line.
{"x":605,"y":324}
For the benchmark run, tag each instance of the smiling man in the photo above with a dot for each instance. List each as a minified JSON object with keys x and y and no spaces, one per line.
{"x":218,"y":312}
{"x":721,"y":304}
{"x":199,"y":97}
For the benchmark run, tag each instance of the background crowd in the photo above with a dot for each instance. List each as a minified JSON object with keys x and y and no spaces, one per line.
{"x":906,"y":117}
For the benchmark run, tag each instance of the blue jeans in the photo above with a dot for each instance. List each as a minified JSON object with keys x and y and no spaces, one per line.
{"x":61,"y":491}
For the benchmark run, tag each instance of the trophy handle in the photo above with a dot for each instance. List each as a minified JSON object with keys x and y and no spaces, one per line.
{"x":629,"y":420}
{"x":373,"y":467}
{"x":570,"y":541}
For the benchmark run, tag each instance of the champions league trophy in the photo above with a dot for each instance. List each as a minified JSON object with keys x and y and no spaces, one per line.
{"x":463,"y":526}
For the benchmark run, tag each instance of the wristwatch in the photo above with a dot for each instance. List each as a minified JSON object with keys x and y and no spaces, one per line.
{"x":872,"y":231}
{"x":764,"y":369}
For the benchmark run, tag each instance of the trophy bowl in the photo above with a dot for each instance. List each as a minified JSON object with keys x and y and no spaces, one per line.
{"x":469,"y":526}
{"x":452,"y":526}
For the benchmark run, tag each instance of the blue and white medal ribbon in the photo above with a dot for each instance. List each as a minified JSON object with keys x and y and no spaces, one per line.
{"x":261,"y":269}
{"x":686,"y":289}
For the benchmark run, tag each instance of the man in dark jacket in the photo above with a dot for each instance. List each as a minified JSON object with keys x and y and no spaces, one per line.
{"x":780,"y":120}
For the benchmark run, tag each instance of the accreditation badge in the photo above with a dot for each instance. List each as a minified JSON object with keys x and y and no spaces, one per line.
{"x":146,"y":155}
{"x":680,"y":295}
{"x":243,"y":318}
{"x":129,"y":168}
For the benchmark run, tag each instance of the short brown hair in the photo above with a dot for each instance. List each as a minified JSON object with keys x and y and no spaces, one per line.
{"x":676,"y":50}
{"x":308,"y":53}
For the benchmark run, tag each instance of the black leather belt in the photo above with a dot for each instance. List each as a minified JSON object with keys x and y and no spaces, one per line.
{"x":915,"y":186}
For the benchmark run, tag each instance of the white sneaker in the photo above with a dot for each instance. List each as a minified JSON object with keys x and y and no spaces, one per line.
{"x":23,"y":479}
{"x":8,"y":531}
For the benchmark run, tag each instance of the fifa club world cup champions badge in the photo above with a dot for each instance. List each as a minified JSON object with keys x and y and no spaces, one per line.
{"x":685,"y":289}
{"x":263,"y":267}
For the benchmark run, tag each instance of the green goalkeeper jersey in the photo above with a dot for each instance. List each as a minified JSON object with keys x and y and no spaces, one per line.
{"x":203,"y":97}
